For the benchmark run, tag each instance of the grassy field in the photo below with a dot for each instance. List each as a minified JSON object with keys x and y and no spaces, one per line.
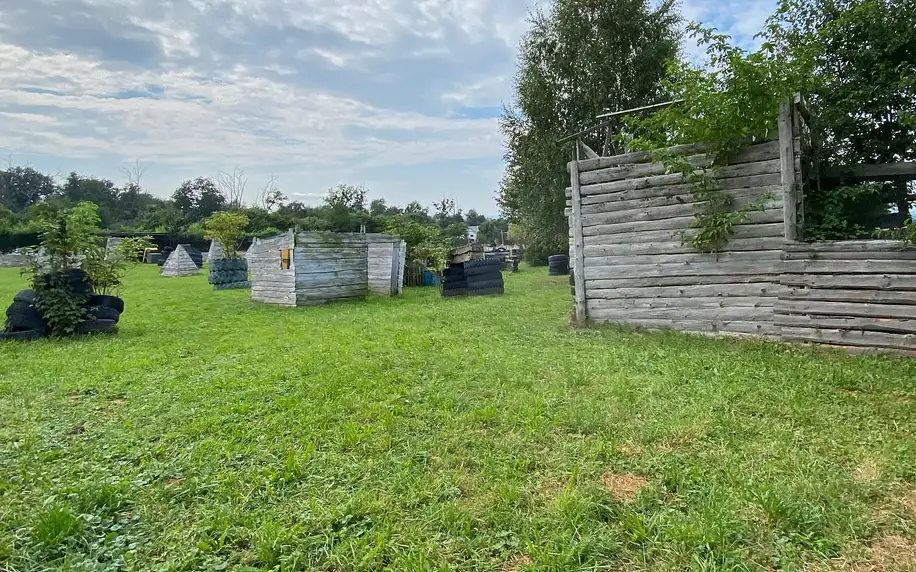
{"x":425,"y":433}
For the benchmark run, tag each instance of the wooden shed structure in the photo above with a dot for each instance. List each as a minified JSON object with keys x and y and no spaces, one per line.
{"x":629,"y":218}
{"x":387,"y":255}
{"x":309,"y":268}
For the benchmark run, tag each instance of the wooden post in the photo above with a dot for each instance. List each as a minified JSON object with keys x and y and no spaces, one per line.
{"x":578,"y":244}
{"x":787,"y":168}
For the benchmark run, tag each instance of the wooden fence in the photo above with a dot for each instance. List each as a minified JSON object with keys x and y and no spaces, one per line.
{"x":630,"y":225}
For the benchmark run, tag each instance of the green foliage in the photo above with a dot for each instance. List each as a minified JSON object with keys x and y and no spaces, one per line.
{"x":907,"y":234}
{"x":578,"y":59}
{"x":59,"y":305}
{"x":108,"y":267}
{"x":228,"y":229}
{"x":66,"y":234}
{"x":425,"y":244}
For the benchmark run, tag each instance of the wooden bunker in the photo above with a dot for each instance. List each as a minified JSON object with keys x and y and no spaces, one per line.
{"x":309,"y":268}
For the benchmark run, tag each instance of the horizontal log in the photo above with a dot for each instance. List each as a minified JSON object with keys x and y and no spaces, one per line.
{"x":748,"y":194}
{"x":906,"y":342}
{"x":705,"y":303}
{"x":638,"y":237}
{"x":702,"y":314}
{"x":735,"y":171}
{"x":902,"y":282}
{"x":637,"y":171}
{"x":676,"y":247}
{"x":873,"y":172}
{"x":845,"y":267}
{"x":673,"y":224}
{"x":846,"y":309}
{"x":692,"y":258}
{"x":852,"y":296}
{"x":843,"y":246}
{"x":687,"y":208}
{"x":323,"y":301}
{"x":697,"y":326}
{"x":607,"y":284}
{"x":902,"y":256}
{"x":330,"y":291}
{"x":833,"y":323}
{"x":758,"y":152}
{"x":727,"y":290}
{"x":676,"y":270}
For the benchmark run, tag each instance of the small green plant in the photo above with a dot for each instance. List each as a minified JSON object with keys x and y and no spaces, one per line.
{"x":107,"y":267}
{"x":907,"y":234}
{"x":67,"y":237}
{"x":227,"y":229}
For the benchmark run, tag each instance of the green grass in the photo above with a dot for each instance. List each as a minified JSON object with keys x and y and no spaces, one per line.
{"x":427,"y":433}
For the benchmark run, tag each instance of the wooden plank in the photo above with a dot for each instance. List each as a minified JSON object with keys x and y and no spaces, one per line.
{"x":834,"y":323}
{"x":902,"y":256}
{"x":742,"y":197}
{"x":642,"y":237}
{"x":682,"y":270}
{"x":727,"y":290}
{"x":674,"y":246}
{"x":844,"y":309}
{"x":856,"y":338}
{"x":759,"y":152}
{"x":687,"y":208}
{"x":696,"y":326}
{"x":703,"y":303}
{"x":704,"y":314}
{"x":637,"y":171}
{"x":687,"y":258}
{"x":623,"y":283}
{"x":902,"y":171}
{"x":852,"y":281}
{"x":845,"y":267}
{"x":852,"y":296}
{"x":585,"y":150}
{"x":787,"y":168}
{"x":640,"y":189}
{"x":673,"y":225}
{"x":842,"y":246}
{"x":578,"y":245}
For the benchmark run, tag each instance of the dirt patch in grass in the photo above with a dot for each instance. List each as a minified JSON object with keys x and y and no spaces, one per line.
{"x":887,"y":554}
{"x":517,"y":562}
{"x":118,"y":400}
{"x":630,"y":450}
{"x":908,"y":502}
{"x":623,"y":486}
{"x":867,"y":472}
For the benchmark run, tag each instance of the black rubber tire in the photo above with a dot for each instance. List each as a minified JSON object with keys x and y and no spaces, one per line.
{"x":454,"y":278}
{"x":28,"y":296}
{"x":453,"y":271}
{"x":482,"y":263}
{"x":455,"y":286}
{"x":105,"y":313}
{"x":486,"y":284}
{"x":455,"y":292}
{"x":20,"y":308}
{"x":28,"y":320}
{"x":107,"y":301}
{"x":492,"y":269}
{"x":96,"y":327}
{"x":23,"y":335}
{"x":558,"y":259}
{"x":242,"y":275}
{"x":486,"y":291}
{"x":493,"y":274}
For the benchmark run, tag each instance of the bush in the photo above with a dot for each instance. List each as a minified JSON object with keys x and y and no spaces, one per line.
{"x":228,"y":229}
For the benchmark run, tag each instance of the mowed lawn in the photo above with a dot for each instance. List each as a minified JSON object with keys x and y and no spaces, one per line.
{"x":424,"y":433}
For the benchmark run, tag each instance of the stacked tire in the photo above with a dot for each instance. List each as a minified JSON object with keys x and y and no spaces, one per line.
{"x":558,"y":265}
{"x":105,"y":313}
{"x":454,"y":282}
{"x":484,"y":277}
{"x":23,"y":320}
{"x":228,"y":274}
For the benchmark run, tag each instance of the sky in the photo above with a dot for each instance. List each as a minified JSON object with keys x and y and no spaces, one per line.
{"x":401,"y":96}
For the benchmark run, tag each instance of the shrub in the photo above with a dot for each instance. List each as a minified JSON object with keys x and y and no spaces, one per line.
{"x":228,"y":229}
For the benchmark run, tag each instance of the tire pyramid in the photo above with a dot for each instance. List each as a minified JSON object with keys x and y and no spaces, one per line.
{"x":180,"y":263}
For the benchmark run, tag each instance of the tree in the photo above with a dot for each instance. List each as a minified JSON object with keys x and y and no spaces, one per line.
{"x":860,"y":56}
{"x":232,"y":187}
{"x":474,"y":219}
{"x":198,"y":199}
{"x":579,"y":58}
{"x":492,"y":231}
{"x":21,"y":187}
{"x":228,"y":229}
{"x":347,"y":197}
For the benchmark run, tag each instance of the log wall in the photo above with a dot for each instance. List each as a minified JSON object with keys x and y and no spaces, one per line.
{"x":626,"y":219}
{"x":385,"y":266}
{"x":269,"y":282}
{"x":330,"y":267}
{"x":849,"y":293}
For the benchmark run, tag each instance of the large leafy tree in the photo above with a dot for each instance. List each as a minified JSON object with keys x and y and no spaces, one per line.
{"x":861,"y":56}
{"x":21,"y":187}
{"x":580,"y":58}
